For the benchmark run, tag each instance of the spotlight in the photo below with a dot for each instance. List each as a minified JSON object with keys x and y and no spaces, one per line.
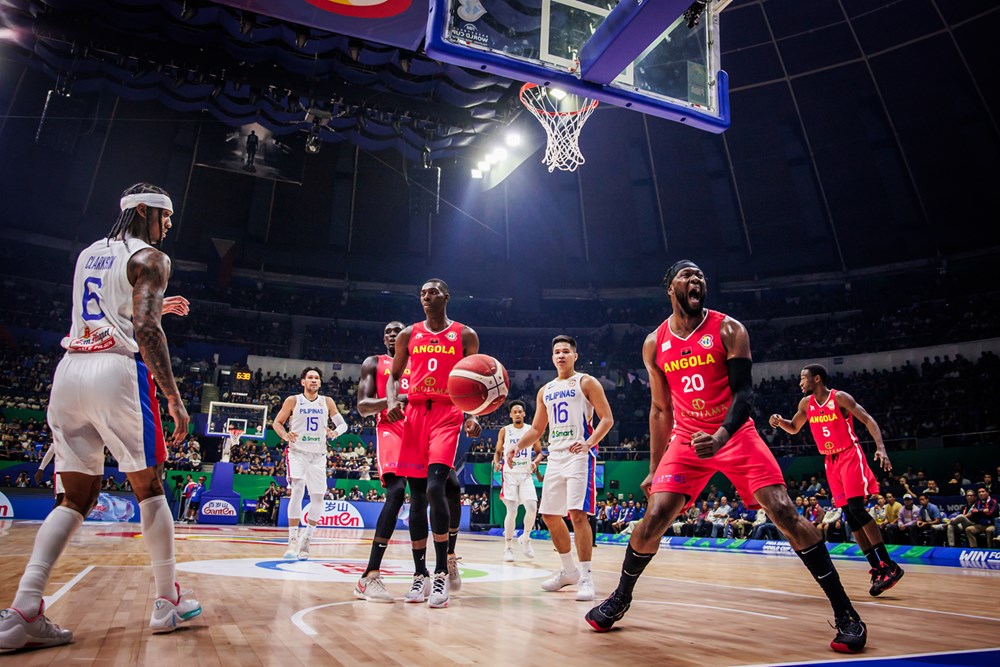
{"x":557,"y":94}
{"x":512,"y":139}
{"x":484,"y":166}
{"x":301,"y":39}
{"x":500,"y":153}
{"x":492,"y":158}
{"x":477,"y":173}
{"x":313,"y":144}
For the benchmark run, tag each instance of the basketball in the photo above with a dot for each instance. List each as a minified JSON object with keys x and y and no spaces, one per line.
{"x":478,"y":384}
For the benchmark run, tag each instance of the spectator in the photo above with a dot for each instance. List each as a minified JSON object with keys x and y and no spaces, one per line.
{"x":930,"y":516}
{"x":983,"y":516}
{"x":720,"y":517}
{"x":906,"y":524}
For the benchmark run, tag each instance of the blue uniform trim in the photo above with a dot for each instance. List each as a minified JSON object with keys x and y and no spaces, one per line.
{"x":148,"y":416}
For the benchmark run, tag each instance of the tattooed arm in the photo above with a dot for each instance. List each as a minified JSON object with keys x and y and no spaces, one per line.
{"x":148,"y":270}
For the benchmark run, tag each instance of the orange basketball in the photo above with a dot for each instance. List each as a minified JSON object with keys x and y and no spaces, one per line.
{"x":478,"y":384}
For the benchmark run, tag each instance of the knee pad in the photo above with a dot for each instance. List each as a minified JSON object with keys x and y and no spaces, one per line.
{"x":316,"y":500}
{"x":395,"y":492}
{"x":855,"y":514}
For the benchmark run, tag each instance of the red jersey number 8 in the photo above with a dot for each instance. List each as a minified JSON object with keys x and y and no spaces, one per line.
{"x":404,"y":384}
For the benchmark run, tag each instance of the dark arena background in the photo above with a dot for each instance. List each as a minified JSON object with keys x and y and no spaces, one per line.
{"x":837,"y":184}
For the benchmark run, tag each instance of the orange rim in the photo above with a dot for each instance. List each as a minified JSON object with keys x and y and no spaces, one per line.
{"x":528,"y":86}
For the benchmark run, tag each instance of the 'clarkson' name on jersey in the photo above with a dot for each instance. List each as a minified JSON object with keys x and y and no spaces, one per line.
{"x":100,"y":263}
{"x":562,"y":393}
{"x":688,"y":362}
{"x":435,"y":349}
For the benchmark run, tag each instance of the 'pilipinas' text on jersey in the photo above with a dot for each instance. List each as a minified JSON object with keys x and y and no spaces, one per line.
{"x":697,"y":374}
{"x":432,"y":356}
{"x":522,"y":460}
{"x":570,"y":415}
{"x":832,"y":431}
{"x":383,"y":372}
{"x":309,"y":421}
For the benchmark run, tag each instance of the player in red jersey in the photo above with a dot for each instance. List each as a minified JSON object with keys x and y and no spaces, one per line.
{"x":375,"y":374}
{"x":830,"y":414}
{"x":433,"y":424}
{"x":699,"y":368}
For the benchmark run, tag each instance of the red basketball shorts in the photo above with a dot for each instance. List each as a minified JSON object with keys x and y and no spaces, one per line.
{"x":388,"y":444}
{"x":430,"y":435}
{"x":745,"y":460}
{"x":849,"y":476}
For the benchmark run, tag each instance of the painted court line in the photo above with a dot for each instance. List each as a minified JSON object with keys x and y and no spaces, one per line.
{"x":55,"y":597}
{"x":873,"y":659}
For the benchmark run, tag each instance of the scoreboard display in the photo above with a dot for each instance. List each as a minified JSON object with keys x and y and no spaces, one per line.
{"x":242,"y":383}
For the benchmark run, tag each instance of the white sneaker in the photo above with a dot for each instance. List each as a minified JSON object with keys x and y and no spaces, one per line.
{"x":167,"y":614}
{"x":508,"y":554}
{"x":17,"y":631}
{"x":439,"y":591}
{"x":293,"y":548}
{"x":454,"y":576}
{"x":526,"y":547}
{"x":372,"y":589}
{"x":585,"y":591}
{"x":304,"y":539}
{"x":560,"y":580}
{"x":420,"y":590}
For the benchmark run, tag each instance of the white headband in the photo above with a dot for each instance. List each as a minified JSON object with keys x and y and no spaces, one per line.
{"x":153,"y":199}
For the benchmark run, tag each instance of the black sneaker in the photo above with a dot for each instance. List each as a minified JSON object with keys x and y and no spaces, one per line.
{"x":852,"y":634}
{"x":606,"y":614}
{"x":884,"y":579}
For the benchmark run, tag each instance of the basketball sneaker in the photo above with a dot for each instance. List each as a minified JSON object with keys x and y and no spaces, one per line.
{"x":454,"y":576}
{"x":19,"y":631}
{"x":885,"y":578}
{"x":609,"y":612}
{"x":167,"y":614}
{"x":439,"y":591}
{"x":508,"y":554}
{"x":526,"y":547}
{"x":561,"y":579}
{"x":293,"y":548}
{"x":304,"y":539}
{"x":852,"y":633}
{"x":420,"y":590}
{"x":585,"y":591}
{"x":372,"y":589}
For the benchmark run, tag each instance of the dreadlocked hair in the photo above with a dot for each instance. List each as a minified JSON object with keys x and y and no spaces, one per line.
{"x":128,"y":218}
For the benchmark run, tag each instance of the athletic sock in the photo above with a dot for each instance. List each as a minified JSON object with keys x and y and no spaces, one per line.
{"x":883,"y":555}
{"x":632,"y":568}
{"x":293,"y":529}
{"x":817,"y":561}
{"x":420,"y":561}
{"x":585,"y":570}
{"x":376,"y":556}
{"x":508,"y":544}
{"x":441,"y":556}
{"x":873,"y":559}
{"x":158,"y":534}
{"x":51,"y":540}
{"x":452,"y":539}
{"x":309,"y":529}
{"x":567,"y":562}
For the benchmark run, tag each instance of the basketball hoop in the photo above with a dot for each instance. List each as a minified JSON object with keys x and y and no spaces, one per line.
{"x":562,"y":151}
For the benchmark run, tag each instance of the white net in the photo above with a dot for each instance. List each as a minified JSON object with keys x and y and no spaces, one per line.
{"x":562,"y":115}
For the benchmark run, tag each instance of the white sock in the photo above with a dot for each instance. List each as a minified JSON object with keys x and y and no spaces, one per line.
{"x":158,"y":534}
{"x":508,"y":543}
{"x":293,"y":528}
{"x":585,"y":572}
{"x":530,"y":512}
{"x":309,"y":529}
{"x":567,"y":562}
{"x":50,"y":542}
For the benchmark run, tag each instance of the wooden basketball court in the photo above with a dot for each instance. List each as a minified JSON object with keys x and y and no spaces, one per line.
{"x":692,"y":608}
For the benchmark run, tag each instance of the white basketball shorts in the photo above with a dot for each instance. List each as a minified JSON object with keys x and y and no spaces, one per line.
{"x":310,"y":466}
{"x":569,"y":485}
{"x":104,"y":400}
{"x":518,"y":487}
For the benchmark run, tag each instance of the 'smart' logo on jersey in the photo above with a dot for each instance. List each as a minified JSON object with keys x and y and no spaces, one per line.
{"x":6,"y":507}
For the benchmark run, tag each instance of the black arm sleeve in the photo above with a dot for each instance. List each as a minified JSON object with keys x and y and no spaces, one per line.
{"x":741,"y":384}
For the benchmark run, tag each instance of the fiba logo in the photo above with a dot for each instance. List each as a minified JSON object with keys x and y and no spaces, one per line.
{"x":218,"y":508}
{"x":698,"y":404}
{"x":452,"y":336}
{"x":470,"y":10}
{"x":6,"y":508}
{"x":706,"y":341}
{"x":336,"y":514}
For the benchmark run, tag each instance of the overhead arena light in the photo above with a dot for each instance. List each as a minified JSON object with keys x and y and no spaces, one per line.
{"x":484,"y":166}
{"x":513,"y":139}
{"x":557,"y":94}
{"x":476,"y":173}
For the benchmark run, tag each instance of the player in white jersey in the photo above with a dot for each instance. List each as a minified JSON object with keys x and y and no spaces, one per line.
{"x":518,"y":486}
{"x":567,"y":406}
{"x":308,"y":415}
{"x":103,"y":395}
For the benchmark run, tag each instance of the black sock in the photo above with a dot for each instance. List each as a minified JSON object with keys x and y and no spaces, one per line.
{"x":376,"y":556}
{"x":632,"y":567}
{"x":817,"y":561}
{"x":420,"y":561}
{"x":441,"y":556}
{"x":883,"y":555}
{"x":873,"y":559}
{"x":452,"y":538}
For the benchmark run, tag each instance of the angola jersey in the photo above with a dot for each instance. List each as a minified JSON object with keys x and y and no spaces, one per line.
{"x":523,"y":458}
{"x":432,"y":356}
{"x":382,"y":374}
{"x":697,"y":374}
{"x":832,"y":431}
{"x":309,"y":420}
{"x":102,"y":299}
{"x":570,"y":414}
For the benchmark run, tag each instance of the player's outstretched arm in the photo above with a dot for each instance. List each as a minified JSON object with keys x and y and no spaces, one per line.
{"x":394,"y":405}
{"x":795,"y":424}
{"x":340,"y":426}
{"x":470,"y":346}
{"x":847,"y":402}
{"x":281,"y":419}
{"x":148,"y":271}
{"x":368,"y":403}
{"x":661,"y":417}
{"x":498,"y":452}
{"x":537,"y":428}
